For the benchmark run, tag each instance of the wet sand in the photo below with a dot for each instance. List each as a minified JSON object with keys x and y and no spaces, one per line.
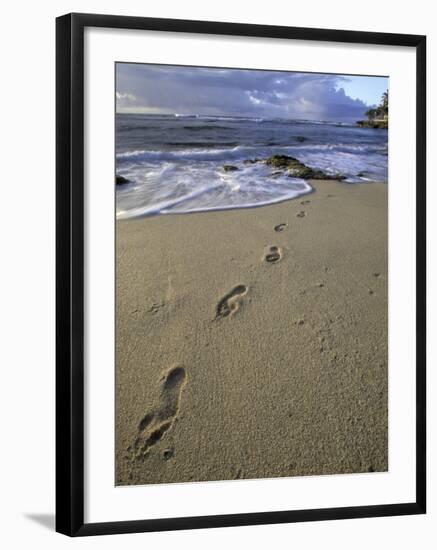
{"x":253,"y":343}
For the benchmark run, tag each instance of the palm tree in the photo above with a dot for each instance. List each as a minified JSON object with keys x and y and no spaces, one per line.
{"x":384,"y":104}
{"x":377,"y":117}
{"x":381,"y":111}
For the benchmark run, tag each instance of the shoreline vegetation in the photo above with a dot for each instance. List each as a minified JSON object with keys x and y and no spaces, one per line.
{"x":377,"y":117}
{"x":253,"y":344}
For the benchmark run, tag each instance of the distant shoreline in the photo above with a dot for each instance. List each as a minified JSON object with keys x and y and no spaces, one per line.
{"x":379,"y":124}
{"x":350,"y":122}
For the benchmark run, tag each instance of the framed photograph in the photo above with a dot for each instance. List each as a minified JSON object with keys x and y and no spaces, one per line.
{"x":240,"y":274}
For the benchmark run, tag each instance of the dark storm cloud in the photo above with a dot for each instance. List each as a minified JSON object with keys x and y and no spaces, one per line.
{"x":191,"y":90}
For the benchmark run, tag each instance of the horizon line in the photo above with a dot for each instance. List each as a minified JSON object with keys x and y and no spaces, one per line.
{"x":197,"y":115}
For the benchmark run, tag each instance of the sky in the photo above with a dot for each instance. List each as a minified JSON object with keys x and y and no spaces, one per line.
{"x":159,"y":89}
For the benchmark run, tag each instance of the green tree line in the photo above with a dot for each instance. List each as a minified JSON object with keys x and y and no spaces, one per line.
{"x":381,"y":111}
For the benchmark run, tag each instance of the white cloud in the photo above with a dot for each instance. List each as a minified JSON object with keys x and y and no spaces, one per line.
{"x":125,"y":97}
{"x":126,"y":102}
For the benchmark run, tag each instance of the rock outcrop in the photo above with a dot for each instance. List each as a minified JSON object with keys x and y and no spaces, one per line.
{"x":120,"y":180}
{"x":295,"y":168}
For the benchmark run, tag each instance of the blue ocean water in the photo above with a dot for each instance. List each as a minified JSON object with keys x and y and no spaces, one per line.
{"x":175,"y":162}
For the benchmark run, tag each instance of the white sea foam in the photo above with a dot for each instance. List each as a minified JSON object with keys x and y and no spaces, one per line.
{"x":175,"y":163}
{"x":185,"y":154}
{"x":241,"y":151}
{"x":197,"y":188}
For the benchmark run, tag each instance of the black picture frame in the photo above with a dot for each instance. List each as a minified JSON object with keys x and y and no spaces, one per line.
{"x":70,"y":273}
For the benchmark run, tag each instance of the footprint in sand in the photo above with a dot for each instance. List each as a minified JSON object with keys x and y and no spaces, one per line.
{"x":280,"y":227}
{"x":301,"y":214}
{"x":273,"y":255}
{"x":230,"y":302}
{"x":155,"y":308}
{"x":156,"y":423}
{"x":305,"y":202}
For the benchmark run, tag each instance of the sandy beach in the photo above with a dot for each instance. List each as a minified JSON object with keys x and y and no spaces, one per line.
{"x":252,"y":343}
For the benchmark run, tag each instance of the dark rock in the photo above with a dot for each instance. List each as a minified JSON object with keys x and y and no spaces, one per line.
{"x":229,"y":168}
{"x":319,"y":175}
{"x":296,"y":169}
{"x":121,"y":180}
{"x":302,"y":171}
{"x":293,"y":168}
{"x":382,"y":124}
{"x":282,"y":161}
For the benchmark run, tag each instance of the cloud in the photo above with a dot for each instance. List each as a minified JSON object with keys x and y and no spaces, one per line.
{"x":122,"y":97}
{"x":195,"y":90}
{"x":125,"y":100}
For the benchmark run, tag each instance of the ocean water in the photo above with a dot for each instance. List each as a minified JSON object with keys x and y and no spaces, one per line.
{"x":175,"y":162}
